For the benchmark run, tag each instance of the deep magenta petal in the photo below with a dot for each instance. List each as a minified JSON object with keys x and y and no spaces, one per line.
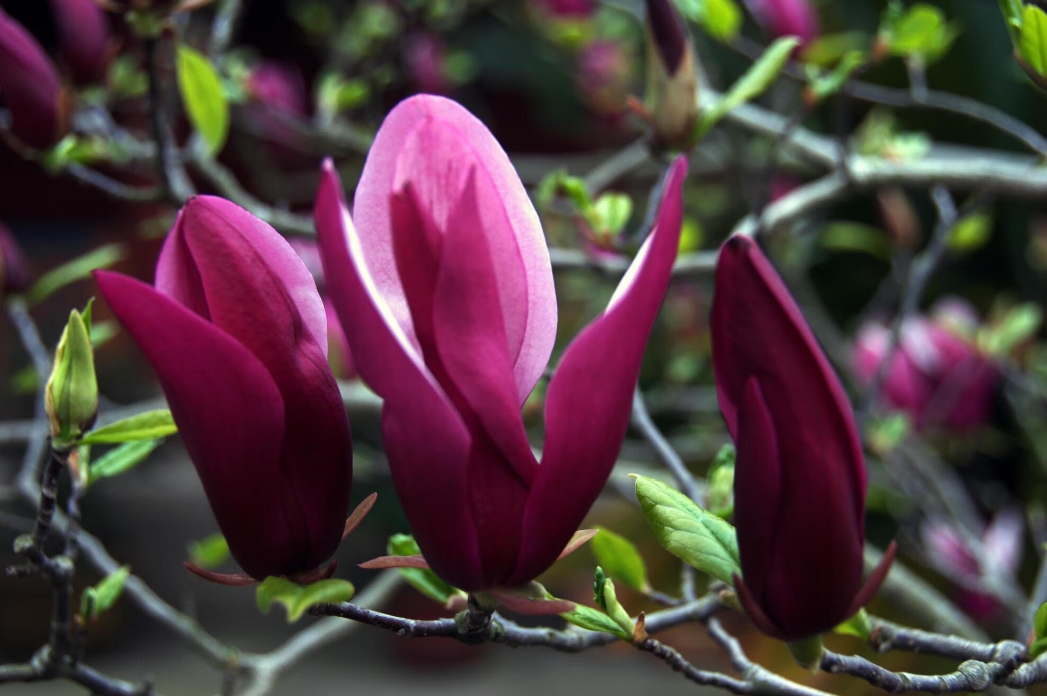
{"x":30,"y":87}
{"x":589,"y":402}
{"x":229,"y":413}
{"x":85,"y":41}
{"x":772,"y":377}
{"x":426,"y":442}
{"x":432,"y":143}
{"x":757,"y":488}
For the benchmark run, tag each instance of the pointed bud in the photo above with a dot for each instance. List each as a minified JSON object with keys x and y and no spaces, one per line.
{"x":72,"y":391}
{"x":30,"y":87}
{"x":672,"y":76}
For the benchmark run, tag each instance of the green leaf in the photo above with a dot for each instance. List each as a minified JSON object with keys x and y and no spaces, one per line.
{"x":122,"y":459}
{"x":77,"y":269}
{"x":1032,"y":42}
{"x":719,"y":494}
{"x":1012,"y":17}
{"x":921,"y":32}
{"x":845,"y":235}
{"x":828,"y":50}
{"x":1018,"y":325}
{"x":203,"y":96}
{"x":610,"y":213}
{"x":1039,"y":621}
{"x":100,"y":598}
{"x":721,"y":19}
{"x":607,"y":599}
{"x":595,"y":620}
{"x":1038,"y":647}
{"x":828,"y":84}
{"x":756,"y":79}
{"x":620,"y":559}
{"x":143,"y":426}
{"x":421,"y":579}
{"x":209,"y":552}
{"x":697,"y":537}
{"x":297,"y":599}
{"x":971,"y":232}
{"x":858,"y":626}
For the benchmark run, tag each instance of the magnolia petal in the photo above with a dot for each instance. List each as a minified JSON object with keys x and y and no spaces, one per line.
{"x":580,"y":538}
{"x":875,"y":579}
{"x":755,"y":612}
{"x":223,"y":241}
{"x":757,"y":483}
{"x":523,"y":604}
{"x":227,"y":579}
{"x":589,"y":401}
{"x":359,"y":514}
{"x":455,"y":139}
{"x":31,"y":88}
{"x":426,"y":442}
{"x":85,"y":42}
{"x":382,"y":562}
{"x":229,"y":413}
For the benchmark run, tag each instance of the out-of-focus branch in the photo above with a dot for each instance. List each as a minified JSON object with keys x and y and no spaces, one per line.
{"x":173,"y":181}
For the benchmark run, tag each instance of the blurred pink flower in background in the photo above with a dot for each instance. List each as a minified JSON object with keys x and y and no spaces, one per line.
{"x":786,"y":18}
{"x":564,"y":9}
{"x":994,"y":553}
{"x":936,"y":374}
{"x":604,"y":73}
{"x":425,"y":59}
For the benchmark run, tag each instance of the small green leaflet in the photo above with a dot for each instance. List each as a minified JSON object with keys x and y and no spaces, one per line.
{"x":421,"y":579}
{"x":210,"y":552}
{"x":752,"y":84}
{"x":204,"y":98}
{"x":143,"y":426}
{"x":100,"y":598}
{"x":858,"y":626}
{"x":721,"y":19}
{"x":77,"y":269}
{"x":1012,"y":17}
{"x":1032,"y":42}
{"x":693,"y":535}
{"x":297,"y":599}
{"x":122,"y":459}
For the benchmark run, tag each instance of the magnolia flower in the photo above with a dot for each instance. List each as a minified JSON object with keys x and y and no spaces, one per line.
{"x":445,"y":290}
{"x":936,"y":374}
{"x":787,"y":18}
{"x":30,"y":88}
{"x":85,"y":43}
{"x":799,"y":485}
{"x":237,"y":334}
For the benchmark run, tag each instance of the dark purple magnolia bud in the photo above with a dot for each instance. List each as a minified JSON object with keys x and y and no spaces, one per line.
{"x":567,"y":9}
{"x":672,"y":79}
{"x":85,"y":42}
{"x":447,"y":300}
{"x":799,"y":485}
{"x":237,"y":334}
{"x":14,"y":270}
{"x":30,"y":88}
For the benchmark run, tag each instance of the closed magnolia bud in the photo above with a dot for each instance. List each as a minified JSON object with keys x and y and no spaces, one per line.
{"x":799,"y":485}
{"x":85,"y":43}
{"x":787,"y":18}
{"x":30,"y":88}
{"x":237,"y":334}
{"x":672,"y":77}
{"x":71,"y":397}
{"x":14,"y":269}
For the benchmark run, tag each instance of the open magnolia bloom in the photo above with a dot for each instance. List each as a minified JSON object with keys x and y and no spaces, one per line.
{"x":799,"y":484}
{"x":445,"y":290}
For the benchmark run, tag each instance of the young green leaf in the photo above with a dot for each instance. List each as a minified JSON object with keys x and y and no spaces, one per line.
{"x":610,"y":213}
{"x":697,"y":537}
{"x":297,"y":599}
{"x":752,"y":84}
{"x":203,"y":96}
{"x":971,"y":231}
{"x":595,"y":620}
{"x":858,"y":626}
{"x":620,"y":559}
{"x":1039,"y":621}
{"x":421,"y":579}
{"x":77,"y":269}
{"x":1032,"y":42}
{"x":122,"y":459}
{"x":142,"y":426}
{"x":922,"y":32}
{"x":100,"y":598}
{"x":209,"y":552}
{"x":721,"y":19}
{"x":1012,"y":17}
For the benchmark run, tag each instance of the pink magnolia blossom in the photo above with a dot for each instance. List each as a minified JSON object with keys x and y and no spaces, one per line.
{"x":237,"y":334}
{"x":444,"y":287}
{"x":799,"y":484}
{"x":936,"y":374}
